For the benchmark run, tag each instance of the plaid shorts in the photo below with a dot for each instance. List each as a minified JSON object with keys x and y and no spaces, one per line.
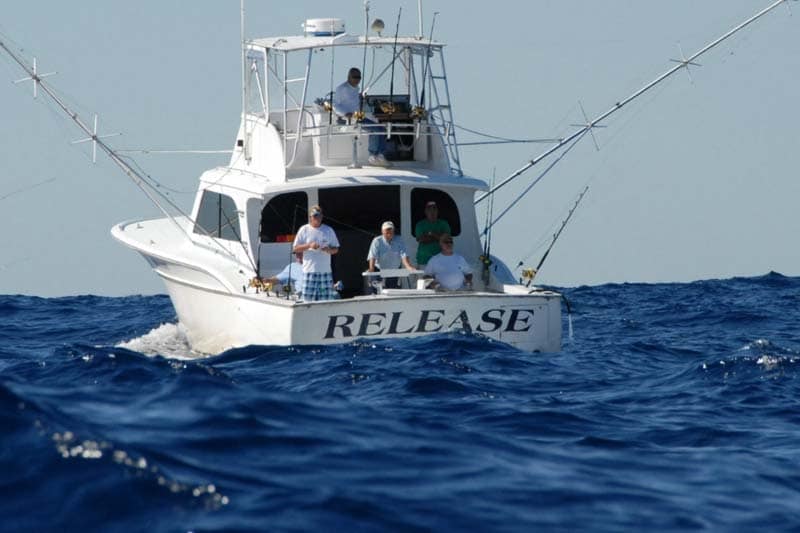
{"x":318,"y":286}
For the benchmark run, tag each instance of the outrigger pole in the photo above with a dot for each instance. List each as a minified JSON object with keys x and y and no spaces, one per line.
{"x":137,"y":179}
{"x":97,"y":140}
{"x":682,"y":63}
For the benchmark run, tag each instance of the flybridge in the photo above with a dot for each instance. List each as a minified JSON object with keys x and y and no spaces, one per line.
{"x":289,"y":125}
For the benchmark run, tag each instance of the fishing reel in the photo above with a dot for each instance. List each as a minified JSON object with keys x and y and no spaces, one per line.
{"x":388,"y":108}
{"x":260,"y":285}
{"x":486,"y":261}
{"x":528,"y":274}
{"x":419,"y":113}
{"x":358,"y":116}
{"x":325,"y":103}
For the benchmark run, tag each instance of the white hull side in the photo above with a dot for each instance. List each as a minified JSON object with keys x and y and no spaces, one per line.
{"x":216,"y":321}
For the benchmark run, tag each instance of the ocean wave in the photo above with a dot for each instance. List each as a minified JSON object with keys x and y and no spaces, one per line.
{"x":670,"y":400}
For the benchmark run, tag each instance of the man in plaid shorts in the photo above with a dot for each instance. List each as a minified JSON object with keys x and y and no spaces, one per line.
{"x":317,"y":242}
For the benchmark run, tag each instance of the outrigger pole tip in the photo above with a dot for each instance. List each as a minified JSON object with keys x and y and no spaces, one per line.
{"x":620,"y":104}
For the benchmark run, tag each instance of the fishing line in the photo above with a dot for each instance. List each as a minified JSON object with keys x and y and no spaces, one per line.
{"x":25,"y":189}
{"x":155,"y":183}
{"x":538,"y":178}
{"x":505,"y":139}
{"x":342,"y":223}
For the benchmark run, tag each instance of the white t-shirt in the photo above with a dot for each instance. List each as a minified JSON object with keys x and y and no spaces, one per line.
{"x":316,"y":260}
{"x":449,"y":270}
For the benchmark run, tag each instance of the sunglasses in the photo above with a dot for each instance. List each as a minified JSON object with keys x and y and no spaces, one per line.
{"x":316,"y":215}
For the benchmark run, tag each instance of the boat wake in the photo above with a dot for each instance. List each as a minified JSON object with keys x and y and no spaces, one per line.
{"x":167,"y":340}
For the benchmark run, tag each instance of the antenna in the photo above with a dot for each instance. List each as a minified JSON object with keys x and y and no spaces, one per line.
{"x":245,"y":148}
{"x":419,"y":13}
{"x":35,"y":77}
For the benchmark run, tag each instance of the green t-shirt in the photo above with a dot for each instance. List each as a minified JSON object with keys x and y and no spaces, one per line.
{"x":428,"y":250}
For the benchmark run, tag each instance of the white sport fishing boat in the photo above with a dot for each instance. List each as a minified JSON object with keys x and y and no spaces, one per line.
{"x":293,"y":151}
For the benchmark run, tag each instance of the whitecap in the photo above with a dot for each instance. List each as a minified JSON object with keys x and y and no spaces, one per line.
{"x":168,"y":340}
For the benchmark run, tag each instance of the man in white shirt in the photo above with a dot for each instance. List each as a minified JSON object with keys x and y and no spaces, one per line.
{"x":317,"y":242}
{"x":346,"y":101}
{"x":388,"y":252}
{"x":450,"y":270}
{"x":291,"y":275}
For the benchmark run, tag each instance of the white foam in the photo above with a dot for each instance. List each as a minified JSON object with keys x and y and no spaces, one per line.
{"x":167,"y":340}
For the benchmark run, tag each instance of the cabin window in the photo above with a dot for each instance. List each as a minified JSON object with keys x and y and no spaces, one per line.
{"x":218,"y":217}
{"x":282,"y":216}
{"x":447,"y":207}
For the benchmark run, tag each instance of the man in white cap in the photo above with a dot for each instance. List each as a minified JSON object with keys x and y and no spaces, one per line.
{"x":317,"y":242}
{"x":388,"y":251}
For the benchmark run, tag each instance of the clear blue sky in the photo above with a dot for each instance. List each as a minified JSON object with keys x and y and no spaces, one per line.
{"x":697,"y":180}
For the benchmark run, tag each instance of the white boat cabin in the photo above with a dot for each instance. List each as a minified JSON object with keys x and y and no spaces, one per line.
{"x":293,"y":151}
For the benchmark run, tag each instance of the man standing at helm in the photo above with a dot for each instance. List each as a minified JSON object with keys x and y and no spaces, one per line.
{"x":346,"y":102}
{"x":317,"y":242}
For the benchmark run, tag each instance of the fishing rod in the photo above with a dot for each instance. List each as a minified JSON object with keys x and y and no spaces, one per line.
{"x":97,"y":140}
{"x":291,"y":251}
{"x":363,"y":81}
{"x":531,"y":273}
{"x":394,"y":60}
{"x":487,"y":242}
{"x":427,"y":62}
{"x":590,"y":125}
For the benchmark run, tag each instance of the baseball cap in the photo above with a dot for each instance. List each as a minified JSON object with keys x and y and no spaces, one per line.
{"x":387,"y":225}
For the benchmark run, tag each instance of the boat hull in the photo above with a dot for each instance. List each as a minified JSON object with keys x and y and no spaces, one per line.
{"x":216,"y":321}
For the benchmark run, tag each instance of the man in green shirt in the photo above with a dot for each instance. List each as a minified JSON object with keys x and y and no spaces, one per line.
{"x":428,"y":231}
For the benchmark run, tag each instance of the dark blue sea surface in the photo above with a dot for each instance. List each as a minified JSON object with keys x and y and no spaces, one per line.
{"x":674,"y":407}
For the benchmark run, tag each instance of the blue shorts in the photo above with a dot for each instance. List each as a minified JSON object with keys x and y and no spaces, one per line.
{"x":318,"y":286}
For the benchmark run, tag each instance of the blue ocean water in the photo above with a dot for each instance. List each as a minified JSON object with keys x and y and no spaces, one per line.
{"x":674,"y":408}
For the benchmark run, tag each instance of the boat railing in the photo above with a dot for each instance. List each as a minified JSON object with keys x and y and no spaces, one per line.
{"x":323,"y":139}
